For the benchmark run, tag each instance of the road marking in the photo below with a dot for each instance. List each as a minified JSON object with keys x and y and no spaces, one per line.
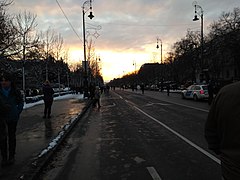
{"x":199,"y":109}
{"x":181,"y":137}
{"x":162,"y":104}
{"x":111,"y":105}
{"x":154,"y":173}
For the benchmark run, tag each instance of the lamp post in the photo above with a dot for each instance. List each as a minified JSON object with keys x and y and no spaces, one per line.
{"x":23,"y":68}
{"x":84,"y":44}
{"x":135,"y":66}
{"x":158,"y":47}
{"x":199,"y":12}
{"x":96,"y":74}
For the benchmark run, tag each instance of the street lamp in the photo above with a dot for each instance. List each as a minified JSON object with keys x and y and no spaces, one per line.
{"x":135,"y":66}
{"x":96,"y":74}
{"x":84,"y":43}
{"x":199,"y":12}
{"x":158,"y":47}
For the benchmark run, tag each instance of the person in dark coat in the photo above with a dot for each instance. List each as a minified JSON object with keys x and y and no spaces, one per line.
{"x":222,"y":130}
{"x":11,"y":106}
{"x":142,"y":88}
{"x":168,"y":89}
{"x":47,"y":98}
{"x":97,"y":95}
{"x":91,"y":90}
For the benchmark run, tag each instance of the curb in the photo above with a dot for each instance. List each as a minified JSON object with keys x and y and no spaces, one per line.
{"x":33,"y":169}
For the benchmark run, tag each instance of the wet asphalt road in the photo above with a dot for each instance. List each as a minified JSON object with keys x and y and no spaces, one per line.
{"x":34,"y":133}
{"x":137,"y":137}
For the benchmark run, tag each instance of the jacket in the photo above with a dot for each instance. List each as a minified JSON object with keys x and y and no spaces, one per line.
{"x":47,"y":93}
{"x":11,"y":105}
{"x":222,"y":129}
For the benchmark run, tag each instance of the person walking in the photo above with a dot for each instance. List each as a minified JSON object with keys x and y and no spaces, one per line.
{"x":97,"y":97}
{"x":11,"y":105}
{"x":168,"y":89}
{"x":47,"y":98}
{"x":222,"y":130}
{"x":210,"y":92}
{"x":142,"y":88}
{"x":91,"y":90}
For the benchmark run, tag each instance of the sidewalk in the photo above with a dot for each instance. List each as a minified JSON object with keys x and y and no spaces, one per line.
{"x":37,"y":137}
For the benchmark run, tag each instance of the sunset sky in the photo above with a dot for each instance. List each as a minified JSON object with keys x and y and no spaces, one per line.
{"x":129,"y":28}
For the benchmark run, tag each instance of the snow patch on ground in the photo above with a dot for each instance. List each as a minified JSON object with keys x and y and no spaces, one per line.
{"x":55,"y":141}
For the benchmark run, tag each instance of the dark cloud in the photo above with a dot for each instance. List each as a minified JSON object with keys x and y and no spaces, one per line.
{"x":126,"y":22}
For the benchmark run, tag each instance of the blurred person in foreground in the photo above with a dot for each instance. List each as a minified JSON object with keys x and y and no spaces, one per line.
{"x":11,"y":106}
{"x":222,"y":130}
{"x":48,"y":99}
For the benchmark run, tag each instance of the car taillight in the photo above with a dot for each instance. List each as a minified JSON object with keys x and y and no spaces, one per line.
{"x":201,"y":91}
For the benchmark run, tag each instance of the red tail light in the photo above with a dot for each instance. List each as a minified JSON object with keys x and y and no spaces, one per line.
{"x":201,"y":91}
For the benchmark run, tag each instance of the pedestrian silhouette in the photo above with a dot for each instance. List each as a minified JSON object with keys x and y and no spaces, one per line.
{"x":92,"y":91}
{"x":97,"y":97}
{"x":168,"y":89}
{"x":11,"y":105}
{"x":142,"y":88}
{"x":47,"y":98}
{"x":222,"y":130}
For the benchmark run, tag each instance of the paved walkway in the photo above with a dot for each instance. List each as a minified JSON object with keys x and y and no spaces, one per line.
{"x":35,"y":133}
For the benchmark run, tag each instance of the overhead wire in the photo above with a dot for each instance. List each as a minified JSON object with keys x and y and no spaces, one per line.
{"x":145,"y":25}
{"x":69,"y":21}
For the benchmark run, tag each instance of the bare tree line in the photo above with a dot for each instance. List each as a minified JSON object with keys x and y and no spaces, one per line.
{"x":21,"y":40}
{"x":221,"y":56}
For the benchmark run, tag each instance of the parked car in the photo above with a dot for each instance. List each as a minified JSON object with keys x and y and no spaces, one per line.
{"x":154,"y":87}
{"x":196,"y":92}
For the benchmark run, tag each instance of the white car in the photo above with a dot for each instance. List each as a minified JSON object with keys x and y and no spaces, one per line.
{"x":196,"y":92}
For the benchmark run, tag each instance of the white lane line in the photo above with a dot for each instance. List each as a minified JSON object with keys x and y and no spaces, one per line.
{"x":154,"y":173}
{"x":182,"y":137}
{"x":183,"y":105}
{"x":111,"y":105}
{"x":151,"y":104}
{"x":199,"y":109}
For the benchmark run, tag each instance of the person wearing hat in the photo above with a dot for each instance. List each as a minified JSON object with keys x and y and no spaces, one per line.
{"x":11,"y":105}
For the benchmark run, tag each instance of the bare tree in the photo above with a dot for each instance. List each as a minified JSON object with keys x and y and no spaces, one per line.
{"x":228,"y":22}
{"x":185,"y":53}
{"x":58,"y":46}
{"x":47,"y":46}
{"x":8,"y":33}
{"x":58,"y":50}
{"x":224,"y":42}
{"x":66,"y":58}
{"x":25,"y":24}
{"x":91,"y":59}
{"x":26,"y":28}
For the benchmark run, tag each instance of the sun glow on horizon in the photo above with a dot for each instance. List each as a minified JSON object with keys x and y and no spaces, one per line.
{"x":116,"y":64}
{"x":75,"y":55}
